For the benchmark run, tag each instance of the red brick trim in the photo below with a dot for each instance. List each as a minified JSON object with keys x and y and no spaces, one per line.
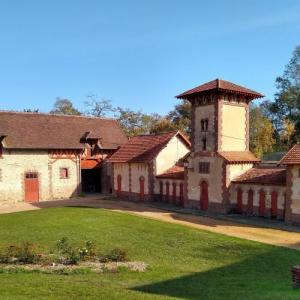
{"x":288,"y":217}
{"x":151,"y":179}
{"x":193,"y":126}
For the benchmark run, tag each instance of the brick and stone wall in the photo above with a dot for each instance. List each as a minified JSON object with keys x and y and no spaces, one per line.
{"x":15,"y":163}
{"x":176,"y":192}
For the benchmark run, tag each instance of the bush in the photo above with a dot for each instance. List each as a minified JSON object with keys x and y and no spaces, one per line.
{"x":25,"y":253}
{"x":114,"y":255}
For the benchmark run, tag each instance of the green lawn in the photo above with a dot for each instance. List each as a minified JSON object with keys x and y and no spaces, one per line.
{"x":184,"y":263}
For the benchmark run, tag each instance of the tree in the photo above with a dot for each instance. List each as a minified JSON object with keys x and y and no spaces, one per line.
{"x":64,"y":107}
{"x":98,"y":108}
{"x":135,"y":122}
{"x":162,"y":125}
{"x":261,"y":132}
{"x":287,"y":133}
{"x":30,"y":110}
{"x":287,"y":100}
{"x":180,"y":116}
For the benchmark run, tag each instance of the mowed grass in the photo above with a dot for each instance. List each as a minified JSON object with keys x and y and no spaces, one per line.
{"x":184,"y":263}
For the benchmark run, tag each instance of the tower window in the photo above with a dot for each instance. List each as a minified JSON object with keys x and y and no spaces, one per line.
{"x":204,"y":125}
{"x":204,"y":142}
{"x":204,"y":167}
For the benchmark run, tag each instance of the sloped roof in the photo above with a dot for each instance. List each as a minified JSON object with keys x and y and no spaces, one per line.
{"x":292,"y":157}
{"x":220,"y":85}
{"x":238,"y":156}
{"x":144,"y":148}
{"x":263,"y":175}
{"x":175,"y":172}
{"x":47,"y":131}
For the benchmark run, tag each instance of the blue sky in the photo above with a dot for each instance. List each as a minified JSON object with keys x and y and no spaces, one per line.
{"x":139,"y":54}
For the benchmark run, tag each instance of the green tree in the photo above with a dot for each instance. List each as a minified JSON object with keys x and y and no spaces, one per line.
{"x":261,"y":132}
{"x":64,"y":107}
{"x":162,"y":125}
{"x":287,"y":99}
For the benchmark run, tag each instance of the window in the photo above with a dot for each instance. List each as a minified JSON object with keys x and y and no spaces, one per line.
{"x":64,"y":173}
{"x":204,"y":167}
{"x":31,"y":175}
{"x":204,"y":125}
{"x":204,"y":144}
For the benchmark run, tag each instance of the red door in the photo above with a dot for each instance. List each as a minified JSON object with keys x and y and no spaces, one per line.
{"x":174,"y":193}
{"x":262,"y":203}
{"x":274,"y":197}
{"x":167,"y":191}
{"x":142,"y":188}
{"x":31,"y":187}
{"x":250,"y":202}
{"x":161,"y":190}
{"x":204,"y":195}
{"x":181,"y":194}
{"x":239,"y":201}
{"x":119,"y":185}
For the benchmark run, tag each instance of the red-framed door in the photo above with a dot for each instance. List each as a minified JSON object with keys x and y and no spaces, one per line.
{"x":239,"y":201}
{"x":274,"y":198}
{"x":204,"y":195}
{"x":181,"y":193}
{"x":31,"y":187}
{"x":250,"y":202}
{"x":119,"y":185}
{"x":174,"y":192}
{"x":167,"y":191}
{"x":142,"y":188}
{"x":262,"y":203}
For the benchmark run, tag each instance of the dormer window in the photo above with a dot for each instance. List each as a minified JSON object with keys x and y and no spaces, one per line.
{"x":204,"y":125}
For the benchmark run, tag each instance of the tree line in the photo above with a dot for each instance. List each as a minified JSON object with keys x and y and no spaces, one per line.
{"x":274,"y":124}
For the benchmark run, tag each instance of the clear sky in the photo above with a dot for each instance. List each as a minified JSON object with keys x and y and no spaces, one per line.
{"x":139,"y":53}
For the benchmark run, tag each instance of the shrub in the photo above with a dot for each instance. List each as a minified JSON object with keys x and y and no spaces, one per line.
{"x":114,"y":255}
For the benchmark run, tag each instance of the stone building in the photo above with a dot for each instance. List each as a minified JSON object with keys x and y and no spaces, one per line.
{"x":47,"y":157}
{"x":220,"y":174}
{"x":140,"y":165}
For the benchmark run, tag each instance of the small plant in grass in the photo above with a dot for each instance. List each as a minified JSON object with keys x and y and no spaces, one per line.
{"x":114,"y":255}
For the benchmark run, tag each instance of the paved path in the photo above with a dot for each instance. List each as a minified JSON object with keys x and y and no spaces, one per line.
{"x":246,"y":231}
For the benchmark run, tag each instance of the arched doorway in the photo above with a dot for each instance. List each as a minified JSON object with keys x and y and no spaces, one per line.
{"x":274,"y":197}
{"x":250,"y":202}
{"x":142,"y":188}
{"x":181,"y":194}
{"x":167,"y":191}
{"x":203,"y":195}
{"x":239,"y":201}
{"x":119,"y":185}
{"x":262,"y":203}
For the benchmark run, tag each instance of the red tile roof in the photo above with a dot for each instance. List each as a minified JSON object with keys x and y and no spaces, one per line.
{"x":292,"y":157}
{"x":263,"y":175}
{"x":176,"y":172}
{"x":144,"y":148}
{"x":47,"y":131}
{"x":220,"y":85}
{"x":88,"y":164}
{"x":238,"y":156}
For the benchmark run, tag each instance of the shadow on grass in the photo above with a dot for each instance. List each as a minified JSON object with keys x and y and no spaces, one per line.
{"x":266,"y":276}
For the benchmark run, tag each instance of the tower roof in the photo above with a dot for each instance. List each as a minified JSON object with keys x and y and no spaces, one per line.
{"x":219,"y":85}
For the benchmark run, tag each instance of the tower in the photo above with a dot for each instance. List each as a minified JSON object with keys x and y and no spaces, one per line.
{"x":220,"y":142}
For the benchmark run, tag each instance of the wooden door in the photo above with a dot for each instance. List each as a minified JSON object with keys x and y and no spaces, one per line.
{"x":31,"y":187}
{"x":161,"y":190}
{"x":239,"y":201}
{"x":250,"y":202}
{"x":274,"y":197}
{"x":181,"y":194}
{"x":167,"y":191}
{"x":119,"y":185}
{"x":204,"y":195}
{"x":174,"y":192}
{"x":262,"y":203}
{"x":142,"y":188}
